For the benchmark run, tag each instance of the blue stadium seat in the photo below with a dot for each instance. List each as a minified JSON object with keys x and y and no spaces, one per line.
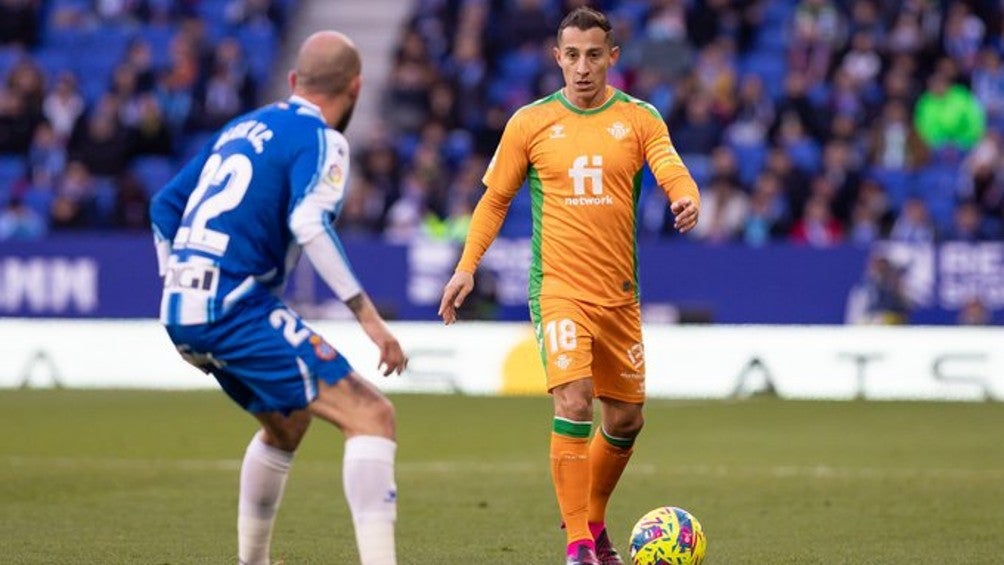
{"x":805,"y":155}
{"x":771,"y":68}
{"x":699,"y":166}
{"x":259,"y":43}
{"x":750,"y":159}
{"x":898,"y":184}
{"x":519,"y":221}
{"x":520,"y":66}
{"x":12,"y":169}
{"x":153,"y":172}
{"x":937,"y":186}
{"x":159,"y":38}
{"x":8,"y":56}
{"x":52,"y":61}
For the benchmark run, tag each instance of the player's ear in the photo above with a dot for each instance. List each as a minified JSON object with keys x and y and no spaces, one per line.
{"x":356,"y":86}
{"x":292,"y":80}
{"x":615,"y":53}
{"x":557,"y":55}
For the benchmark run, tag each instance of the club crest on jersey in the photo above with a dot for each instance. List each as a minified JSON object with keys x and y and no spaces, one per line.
{"x":618,"y":130}
{"x":322,"y":349}
{"x":334,"y":175}
{"x":557,"y":131}
{"x":563,"y":362}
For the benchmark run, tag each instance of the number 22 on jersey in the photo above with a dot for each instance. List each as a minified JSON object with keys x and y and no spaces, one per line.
{"x":233,"y":176}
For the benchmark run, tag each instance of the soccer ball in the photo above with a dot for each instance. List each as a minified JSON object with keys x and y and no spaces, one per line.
{"x":668,"y":536}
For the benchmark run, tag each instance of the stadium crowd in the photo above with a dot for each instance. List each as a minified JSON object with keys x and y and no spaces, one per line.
{"x":812,"y":121}
{"x":101,"y":101}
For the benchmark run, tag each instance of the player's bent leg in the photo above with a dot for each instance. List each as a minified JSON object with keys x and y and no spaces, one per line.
{"x":573,"y":416}
{"x":366,"y":417}
{"x":264,"y":469}
{"x":609,"y":453}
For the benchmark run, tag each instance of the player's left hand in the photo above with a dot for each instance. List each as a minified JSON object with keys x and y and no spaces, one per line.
{"x":460,"y":285}
{"x":686,"y":212}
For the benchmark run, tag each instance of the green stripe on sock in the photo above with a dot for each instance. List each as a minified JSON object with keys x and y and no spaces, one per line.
{"x":572,"y":429}
{"x":623,"y":443}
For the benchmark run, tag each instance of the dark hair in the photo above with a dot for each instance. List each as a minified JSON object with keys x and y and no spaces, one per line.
{"x":586,"y":18}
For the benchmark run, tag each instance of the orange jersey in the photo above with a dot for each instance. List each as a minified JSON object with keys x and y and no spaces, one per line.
{"x":584,"y":170}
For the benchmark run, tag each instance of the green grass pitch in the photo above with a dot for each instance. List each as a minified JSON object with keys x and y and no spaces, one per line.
{"x":144,"y":477}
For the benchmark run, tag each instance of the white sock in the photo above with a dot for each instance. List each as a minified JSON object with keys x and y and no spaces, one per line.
{"x":368,"y":477}
{"x":263,"y":476}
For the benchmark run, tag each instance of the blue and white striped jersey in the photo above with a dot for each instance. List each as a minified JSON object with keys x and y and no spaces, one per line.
{"x":231,"y":224}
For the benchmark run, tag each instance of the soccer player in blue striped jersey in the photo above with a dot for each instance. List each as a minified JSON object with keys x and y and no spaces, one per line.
{"x":228,"y":229}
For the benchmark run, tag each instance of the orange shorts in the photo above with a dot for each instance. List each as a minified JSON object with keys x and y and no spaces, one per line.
{"x":579,"y":340}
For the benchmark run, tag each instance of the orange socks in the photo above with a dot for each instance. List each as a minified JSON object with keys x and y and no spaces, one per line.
{"x":570,"y":472}
{"x":607,"y":458}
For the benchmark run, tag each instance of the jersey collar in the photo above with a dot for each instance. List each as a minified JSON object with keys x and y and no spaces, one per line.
{"x":306,"y":106}
{"x":611,"y":96}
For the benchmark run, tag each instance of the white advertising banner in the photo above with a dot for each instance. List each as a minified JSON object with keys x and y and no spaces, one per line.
{"x":502,"y":358}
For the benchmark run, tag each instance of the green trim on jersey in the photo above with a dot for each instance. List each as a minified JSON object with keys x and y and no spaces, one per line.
{"x":587,"y":111}
{"x":537,"y":206}
{"x":538,"y":329}
{"x":635,"y":197}
{"x":639,"y":102}
{"x":570,"y":428}
{"x":536,"y":267}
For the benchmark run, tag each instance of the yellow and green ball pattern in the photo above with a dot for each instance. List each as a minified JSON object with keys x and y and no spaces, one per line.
{"x":668,"y":536}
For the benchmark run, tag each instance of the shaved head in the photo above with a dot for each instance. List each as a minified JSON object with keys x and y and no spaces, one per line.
{"x":327,"y":63}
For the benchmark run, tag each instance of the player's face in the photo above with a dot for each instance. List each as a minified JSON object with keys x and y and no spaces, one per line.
{"x":584,"y":57}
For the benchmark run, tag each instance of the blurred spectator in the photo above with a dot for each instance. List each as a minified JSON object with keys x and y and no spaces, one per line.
{"x":817,"y":227}
{"x":228,"y":90}
{"x":949,"y":115}
{"x":132,"y":204}
{"x":63,"y":106}
{"x":19,"y":222}
{"x":46,"y":156}
{"x":152,"y":135}
{"x":914,"y":224}
{"x":893,"y":141}
{"x":694,"y":128}
{"x":75,"y":203}
{"x":17,"y":124}
{"x":19,"y":21}
{"x":724,"y":208}
{"x":880,"y":298}
{"x":27,"y":82}
{"x":818,"y":30}
{"x":988,"y":86}
{"x":769,"y":217}
{"x":967,"y":224}
{"x":100,"y":142}
{"x":974,"y":313}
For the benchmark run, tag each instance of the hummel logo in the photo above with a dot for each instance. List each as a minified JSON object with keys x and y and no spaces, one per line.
{"x":557,"y":131}
{"x":618,"y":130}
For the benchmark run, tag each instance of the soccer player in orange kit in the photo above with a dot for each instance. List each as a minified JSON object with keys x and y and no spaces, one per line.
{"x":583,"y":149}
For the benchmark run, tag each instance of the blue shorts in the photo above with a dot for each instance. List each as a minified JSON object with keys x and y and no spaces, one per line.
{"x":263,"y":355}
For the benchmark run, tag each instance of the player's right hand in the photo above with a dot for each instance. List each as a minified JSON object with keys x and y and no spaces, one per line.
{"x":392,"y":357}
{"x":461,"y":284}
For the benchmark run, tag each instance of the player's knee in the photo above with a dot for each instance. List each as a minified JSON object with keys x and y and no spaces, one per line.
{"x":384,"y":416}
{"x":376,"y":418}
{"x":286,"y":439}
{"x":625,"y":424}
{"x":574,"y":408}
